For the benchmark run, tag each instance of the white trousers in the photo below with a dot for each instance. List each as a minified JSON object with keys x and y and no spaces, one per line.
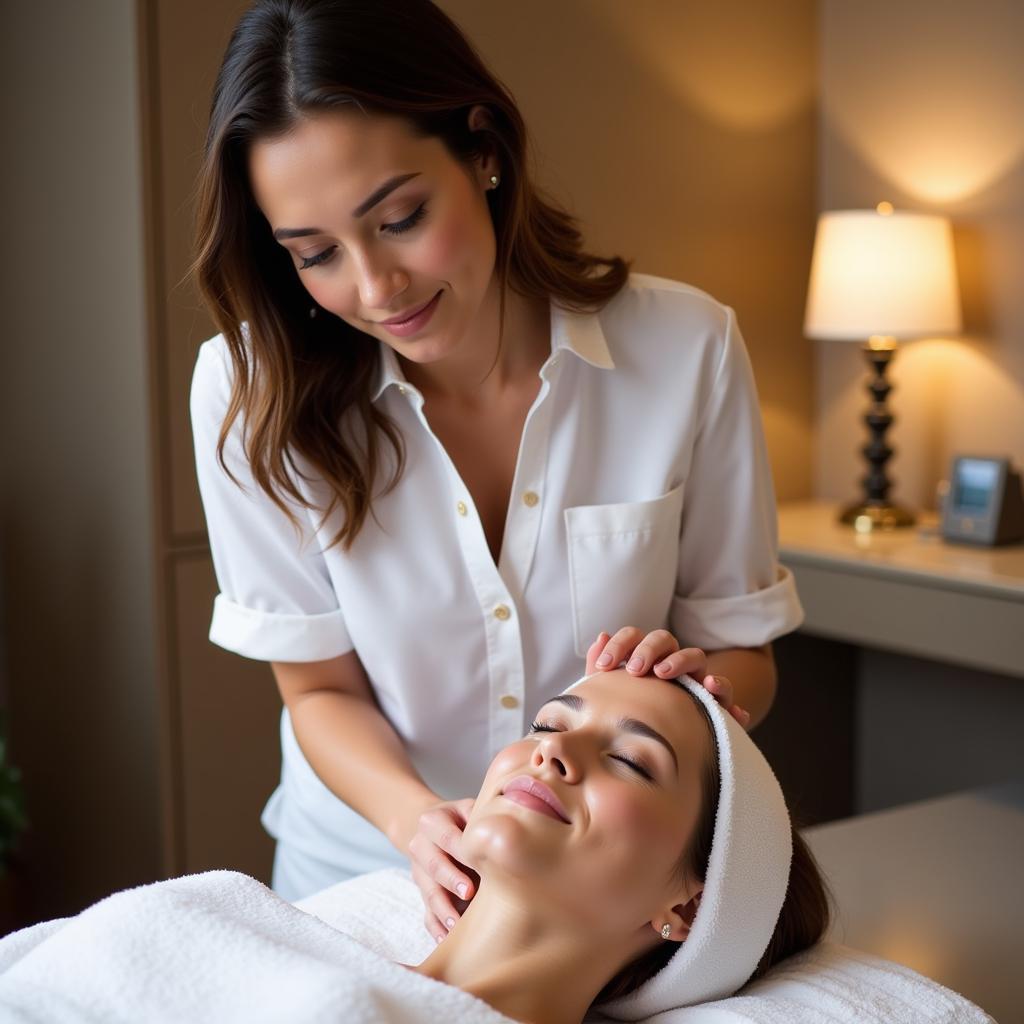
{"x":320,"y":840}
{"x":298,"y":875}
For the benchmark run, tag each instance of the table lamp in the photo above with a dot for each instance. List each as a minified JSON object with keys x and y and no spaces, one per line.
{"x":878,"y":276}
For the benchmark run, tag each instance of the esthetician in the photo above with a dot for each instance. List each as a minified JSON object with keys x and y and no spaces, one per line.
{"x":441,"y":447}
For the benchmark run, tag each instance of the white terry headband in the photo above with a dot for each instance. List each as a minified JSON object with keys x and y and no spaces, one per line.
{"x":745,"y":885}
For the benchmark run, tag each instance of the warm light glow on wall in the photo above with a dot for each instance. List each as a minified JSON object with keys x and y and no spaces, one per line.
{"x":944,"y":123}
{"x":748,"y":80}
{"x":917,"y":949}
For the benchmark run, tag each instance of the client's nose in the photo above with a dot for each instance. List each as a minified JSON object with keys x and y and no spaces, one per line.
{"x":556,"y":762}
{"x":553,"y":753}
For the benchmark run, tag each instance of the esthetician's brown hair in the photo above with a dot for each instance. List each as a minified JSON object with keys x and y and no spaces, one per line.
{"x":805,"y":913}
{"x":301,"y":384}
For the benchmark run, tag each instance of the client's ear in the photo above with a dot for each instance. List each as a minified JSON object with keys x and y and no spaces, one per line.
{"x":679,"y":919}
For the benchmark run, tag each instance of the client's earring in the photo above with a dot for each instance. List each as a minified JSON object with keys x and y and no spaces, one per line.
{"x":312,"y":312}
{"x":494,"y":181}
{"x":666,"y":930}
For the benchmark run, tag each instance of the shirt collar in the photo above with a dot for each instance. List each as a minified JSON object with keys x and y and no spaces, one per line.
{"x":579,"y":333}
{"x":388,"y":371}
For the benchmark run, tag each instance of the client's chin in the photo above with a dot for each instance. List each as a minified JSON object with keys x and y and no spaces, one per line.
{"x":515,"y":840}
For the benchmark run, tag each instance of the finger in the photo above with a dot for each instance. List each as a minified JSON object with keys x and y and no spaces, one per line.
{"x":688,"y":661}
{"x":442,"y":826}
{"x":440,"y":913}
{"x":594,"y":652}
{"x":618,"y":647}
{"x":440,"y":905}
{"x":460,"y":810}
{"x":463,"y":809}
{"x":438,"y":866}
{"x":652,"y":648}
{"x":721,"y":688}
{"x":430,"y":920}
{"x":741,"y":715}
{"x":436,"y":929}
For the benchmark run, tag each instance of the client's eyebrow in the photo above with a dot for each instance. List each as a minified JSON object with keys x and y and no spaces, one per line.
{"x":377,"y":196}
{"x":633,"y":725}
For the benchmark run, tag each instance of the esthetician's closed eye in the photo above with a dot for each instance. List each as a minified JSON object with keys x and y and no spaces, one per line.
{"x":632,"y":762}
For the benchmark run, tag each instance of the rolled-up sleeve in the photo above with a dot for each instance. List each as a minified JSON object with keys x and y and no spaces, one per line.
{"x":731,"y":590}
{"x":276,"y":600}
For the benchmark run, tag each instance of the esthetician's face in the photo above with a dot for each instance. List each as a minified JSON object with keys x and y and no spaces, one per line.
{"x":621,"y":758}
{"x":430,"y":238}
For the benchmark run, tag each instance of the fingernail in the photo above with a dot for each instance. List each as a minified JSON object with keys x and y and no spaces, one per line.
{"x":450,"y":923}
{"x":605,"y":659}
{"x":662,"y":666}
{"x":439,"y":939}
{"x":462,"y":889}
{"x":636,"y":663}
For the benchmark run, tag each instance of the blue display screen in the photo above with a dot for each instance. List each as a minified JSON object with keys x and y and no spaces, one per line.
{"x":975,"y":480}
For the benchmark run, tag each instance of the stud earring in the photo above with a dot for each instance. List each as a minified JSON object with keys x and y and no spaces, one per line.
{"x":312,"y":312}
{"x":494,"y":181}
{"x":666,"y":930}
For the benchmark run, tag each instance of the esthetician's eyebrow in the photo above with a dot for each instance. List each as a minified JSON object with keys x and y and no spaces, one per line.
{"x":633,"y":725}
{"x":375,"y":197}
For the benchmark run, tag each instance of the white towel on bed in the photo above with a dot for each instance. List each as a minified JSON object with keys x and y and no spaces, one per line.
{"x":827,"y":984}
{"x":221,"y":947}
{"x":213,"y":948}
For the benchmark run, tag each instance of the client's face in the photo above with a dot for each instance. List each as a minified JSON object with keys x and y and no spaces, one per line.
{"x":593,"y":808}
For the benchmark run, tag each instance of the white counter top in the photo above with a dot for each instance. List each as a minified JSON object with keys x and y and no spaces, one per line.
{"x":906,"y":590}
{"x":809,"y":533}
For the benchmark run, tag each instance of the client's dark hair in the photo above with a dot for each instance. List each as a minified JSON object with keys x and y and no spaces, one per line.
{"x":805,"y":913}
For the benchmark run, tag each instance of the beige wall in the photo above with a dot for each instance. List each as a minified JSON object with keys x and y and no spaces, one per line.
{"x":683,"y":135}
{"x":75,"y":530}
{"x":923,"y":105}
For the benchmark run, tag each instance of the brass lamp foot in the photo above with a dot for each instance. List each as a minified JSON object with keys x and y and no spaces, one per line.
{"x":867,"y":517}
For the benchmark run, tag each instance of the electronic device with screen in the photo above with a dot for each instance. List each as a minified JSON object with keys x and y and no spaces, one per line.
{"x":985,"y":503}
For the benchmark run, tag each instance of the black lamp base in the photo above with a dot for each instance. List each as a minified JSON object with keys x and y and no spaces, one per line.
{"x":865,"y":517}
{"x":875,"y":511}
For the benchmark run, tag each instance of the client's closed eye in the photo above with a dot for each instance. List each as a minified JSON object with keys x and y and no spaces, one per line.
{"x":635,"y":765}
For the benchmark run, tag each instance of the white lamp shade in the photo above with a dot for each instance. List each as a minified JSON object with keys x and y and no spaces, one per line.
{"x":875,"y":273}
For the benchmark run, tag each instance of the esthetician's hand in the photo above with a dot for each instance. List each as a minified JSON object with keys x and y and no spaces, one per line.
{"x":658,"y":652}
{"x":445,"y":884}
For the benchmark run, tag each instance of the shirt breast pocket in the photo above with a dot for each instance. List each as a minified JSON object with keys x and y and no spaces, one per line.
{"x":622,"y":564}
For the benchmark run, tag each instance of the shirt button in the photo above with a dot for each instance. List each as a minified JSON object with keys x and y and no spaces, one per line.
{"x":508,"y":701}
{"x":401,"y":389}
{"x":462,"y":508}
{"x":530,"y":499}
{"x":502,"y":612}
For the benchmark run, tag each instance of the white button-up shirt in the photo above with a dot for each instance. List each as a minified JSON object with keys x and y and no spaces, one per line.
{"x":642,"y":496}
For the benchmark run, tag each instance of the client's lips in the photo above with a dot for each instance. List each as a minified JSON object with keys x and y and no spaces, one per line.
{"x":532,"y":793}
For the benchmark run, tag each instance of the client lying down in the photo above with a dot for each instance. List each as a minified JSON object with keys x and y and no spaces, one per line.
{"x":634,"y":853}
